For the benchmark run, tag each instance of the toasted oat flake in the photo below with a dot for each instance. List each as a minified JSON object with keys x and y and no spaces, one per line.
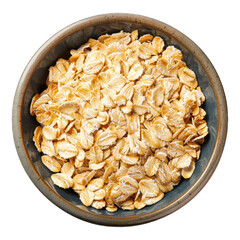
{"x":62,"y":180}
{"x":38,"y":138}
{"x":50,"y":133}
{"x":148,"y":188}
{"x":68,"y":169}
{"x":151,"y":166}
{"x":47,"y":148}
{"x":99,"y":194}
{"x":51,"y":163}
{"x":121,"y":121}
{"x":66,"y":149}
{"x":98,"y":204}
{"x":87,"y":197}
{"x":135,"y":72}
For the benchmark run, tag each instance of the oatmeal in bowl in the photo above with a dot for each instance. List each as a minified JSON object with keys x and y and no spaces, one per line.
{"x":119,"y":119}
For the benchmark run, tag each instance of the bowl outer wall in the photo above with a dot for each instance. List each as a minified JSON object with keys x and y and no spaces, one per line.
{"x":111,"y":220}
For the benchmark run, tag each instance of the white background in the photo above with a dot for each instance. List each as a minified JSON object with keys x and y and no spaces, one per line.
{"x":25,"y":213}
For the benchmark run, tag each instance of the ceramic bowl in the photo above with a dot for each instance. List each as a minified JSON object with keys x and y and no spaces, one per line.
{"x":33,"y":81}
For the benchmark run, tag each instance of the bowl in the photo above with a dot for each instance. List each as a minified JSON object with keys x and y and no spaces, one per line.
{"x":33,"y":80}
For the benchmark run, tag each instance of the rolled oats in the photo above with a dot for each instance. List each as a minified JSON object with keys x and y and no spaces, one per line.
{"x":47,"y":148}
{"x":98,"y":204}
{"x":62,"y":180}
{"x":121,"y":121}
{"x":68,"y":169}
{"x":65,"y":149}
{"x":87,"y":197}
{"x":38,"y":137}
{"x":188,"y":171}
{"x":148,"y":188}
{"x":51,"y":163}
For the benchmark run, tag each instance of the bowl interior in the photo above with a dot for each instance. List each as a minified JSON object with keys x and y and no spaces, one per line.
{"x":61,"y":49}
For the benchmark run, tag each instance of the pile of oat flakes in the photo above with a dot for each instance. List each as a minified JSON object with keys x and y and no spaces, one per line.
{"x":121,"y":121}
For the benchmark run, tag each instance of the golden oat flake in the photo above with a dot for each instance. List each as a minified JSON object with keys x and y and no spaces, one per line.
{"x":66,"y":149}
{"x":87,"y":197}
{"x":62,"y":180}
{"x":51,"y":163}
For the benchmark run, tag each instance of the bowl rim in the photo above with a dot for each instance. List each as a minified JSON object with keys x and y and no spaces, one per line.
{"x":111,"y":220}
